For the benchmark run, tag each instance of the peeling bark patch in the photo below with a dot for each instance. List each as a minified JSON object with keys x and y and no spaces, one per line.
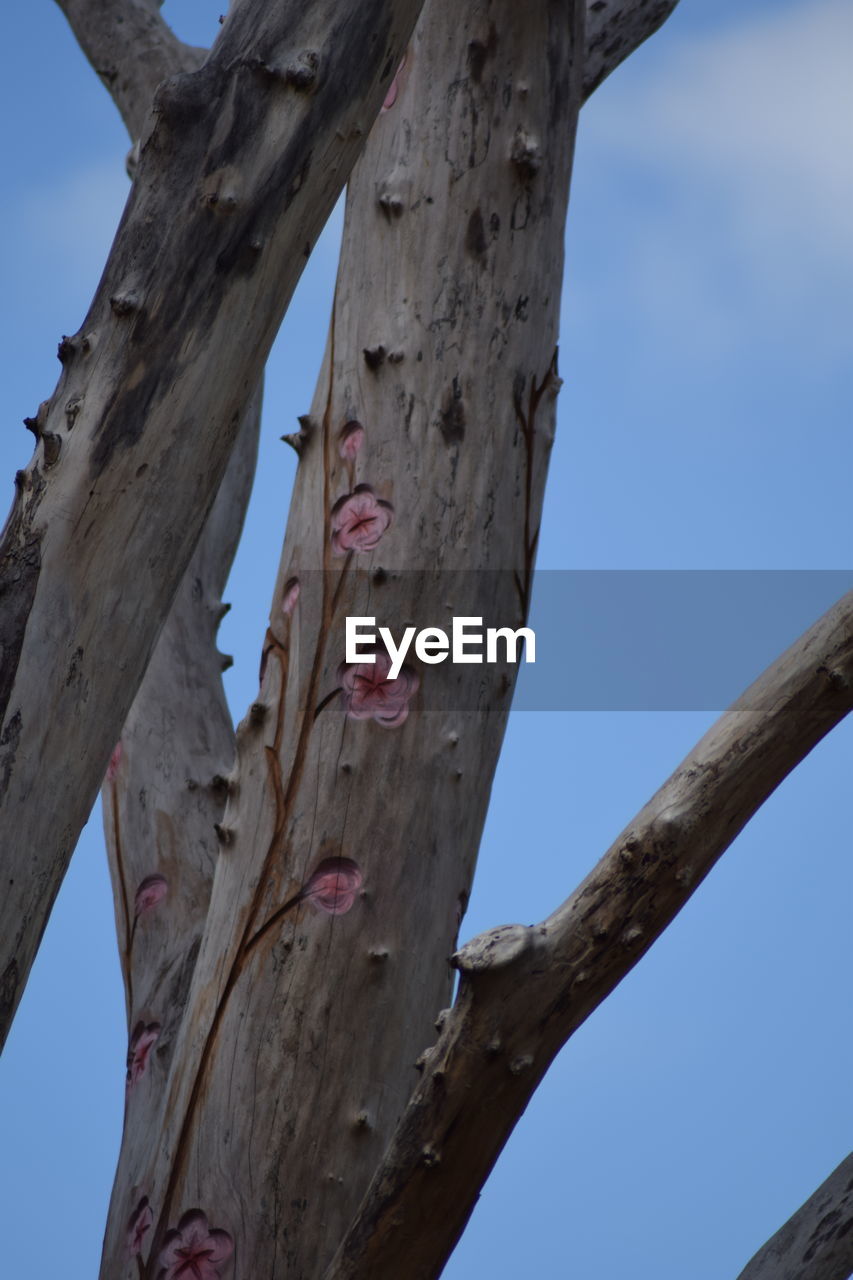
{"x":451,"y":419}
{"x":475,"y":236}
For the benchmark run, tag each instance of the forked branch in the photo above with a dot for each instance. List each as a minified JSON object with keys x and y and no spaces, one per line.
{"x":132,"y":49}
{"x":524,"y":990}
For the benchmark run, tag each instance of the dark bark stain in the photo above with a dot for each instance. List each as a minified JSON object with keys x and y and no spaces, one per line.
{"x":479,"y":52}
{"x":201,"y":253}
{"x":451,"y":420}
{"x":475,"y":236}
{"x":9,"y":749}
{"x":8,"y":991}
{"x":20,"y":566}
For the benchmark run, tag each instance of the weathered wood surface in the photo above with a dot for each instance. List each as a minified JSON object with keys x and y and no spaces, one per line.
{"x":132,"y":49}
{"x":614,"y":29}
{"x":297,"y":1052}
{"x":163,"y":796}
{"x":816,"y":1243}
{"x":238,"y":171}
{"x":524,"y":990}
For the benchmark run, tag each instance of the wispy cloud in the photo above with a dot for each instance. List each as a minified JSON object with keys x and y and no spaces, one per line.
{"x":735,"y":154}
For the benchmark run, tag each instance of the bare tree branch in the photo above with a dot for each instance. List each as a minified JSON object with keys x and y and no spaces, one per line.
{"x":134,"y":442}
{"x":614,"y":29}
{"x":132,"y":49}
{"x":165,"y":791}
{"x":816,"y":1243}
{"x":524,"y":990}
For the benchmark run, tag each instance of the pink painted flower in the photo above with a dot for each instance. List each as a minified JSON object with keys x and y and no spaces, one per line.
{"x":142,"y":1041}
{"x":141,"y":1222}
{"x":152,"y":890}
{"x":193,"y":1250}
{"x":393,"y":88}
{"x":352,"y":438}
{"x":359,"y":520}
{"x":290,"y":596}
{"x":333,"y":886}
{"x":369,"y":694}
{"x":115,"y":761}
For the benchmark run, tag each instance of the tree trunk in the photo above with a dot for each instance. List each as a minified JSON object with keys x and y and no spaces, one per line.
{"x":239,"y":169}
{"x":282,"y":1096}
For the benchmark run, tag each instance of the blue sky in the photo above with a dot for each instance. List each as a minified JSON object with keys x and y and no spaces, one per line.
{"x":704,"y":424}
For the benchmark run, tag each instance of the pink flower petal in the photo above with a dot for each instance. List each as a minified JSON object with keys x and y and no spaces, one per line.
{"x":368,"y":693}
{"x":220,"y":1245}
{"x":152,"y":890}
{"x":193,"y":1251}
{"x":352,"y":438}
{"x":359,"y":520}
{"x":334,"y":886}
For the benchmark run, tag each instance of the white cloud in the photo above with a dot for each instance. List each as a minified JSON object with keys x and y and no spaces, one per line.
{"x":746,"y":138}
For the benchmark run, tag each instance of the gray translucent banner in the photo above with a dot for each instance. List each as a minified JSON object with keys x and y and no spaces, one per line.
{"x":664,"y":640}
{"x":606,"y":640}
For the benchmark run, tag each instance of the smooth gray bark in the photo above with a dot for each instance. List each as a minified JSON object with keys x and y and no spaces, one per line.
{"x":296,"y":1054}
{"x":241,"y":166}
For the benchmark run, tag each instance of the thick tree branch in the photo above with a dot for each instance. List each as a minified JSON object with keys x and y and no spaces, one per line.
{"x":614,"y":29}
{"x":164,"y":794}
{"x":132,"y":49}
{"x":452,"y":247}
{"x":816,"y":1243}
{"x":245,"y":160}
{"x":524,"y":990}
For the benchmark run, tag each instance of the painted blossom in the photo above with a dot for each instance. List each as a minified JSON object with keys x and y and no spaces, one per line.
{"x":152,"y":890}
{"x":290,"y":596}
{"x":142,"y":1041}
{"x":359,"y":520}
{"x":352,"y":438}
{"x":115,"y":761}
{"x":193,"y":1250}
{"x":393,"y":88}
{"x":141,"y":1222}
{"x":333,"y":886}
{"x":369,"y":694}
